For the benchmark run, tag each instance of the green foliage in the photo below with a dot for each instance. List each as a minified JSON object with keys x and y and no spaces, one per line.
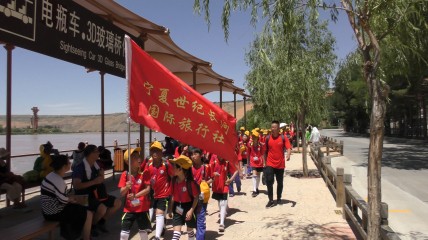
{"x":254,"y":120}
{"x":1,"y":128}
{"x":289,"y":71}
{"x":28,"y":130}
{"x":350,"y":98}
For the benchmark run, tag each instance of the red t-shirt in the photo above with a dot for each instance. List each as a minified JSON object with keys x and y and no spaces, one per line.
{"x":181,"y":194}
{"x":213,"y":158}
{"x":160,"y":180}
{"x":176,"y":153}
{"x":290,"y":133}
{"x":223,"y":168}
{"x":275,"y":155}
{"x":256,"y":155}
{"x":139,"y":183}
{"x":202,"y":173}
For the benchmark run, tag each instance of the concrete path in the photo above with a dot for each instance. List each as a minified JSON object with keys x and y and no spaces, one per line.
{"x":308,"y":212}
{"x":404,"y":178}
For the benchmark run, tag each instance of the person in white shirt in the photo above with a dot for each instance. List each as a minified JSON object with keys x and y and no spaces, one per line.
{"x":57,"y":206}
{"x":315,"y":136}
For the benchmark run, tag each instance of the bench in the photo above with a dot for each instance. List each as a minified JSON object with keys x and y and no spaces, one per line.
{"x":31,"y":229}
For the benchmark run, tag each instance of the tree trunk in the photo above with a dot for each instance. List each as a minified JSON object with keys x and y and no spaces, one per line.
{"x":304,"y":153}
{"x":378,"y":94}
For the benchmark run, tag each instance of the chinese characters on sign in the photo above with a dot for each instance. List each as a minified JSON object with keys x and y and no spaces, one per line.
{"x":64,"y":30}
{"x":186,"y":123}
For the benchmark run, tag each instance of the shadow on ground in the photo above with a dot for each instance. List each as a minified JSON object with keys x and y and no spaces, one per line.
{"x":295,"y":230}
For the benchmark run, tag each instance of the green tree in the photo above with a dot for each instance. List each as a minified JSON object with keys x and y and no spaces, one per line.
{"x":371,"y":21}
{"x":289,"y":73}
{"x":350,"y":97}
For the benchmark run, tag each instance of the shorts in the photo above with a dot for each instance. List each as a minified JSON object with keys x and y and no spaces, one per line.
{"x":258,"y":169}
{"x":94,"y":203}
{"x":160,"y":203}
{"x":180,"y":220}
{"x":219,"y":196}
{"x":142,"y":218}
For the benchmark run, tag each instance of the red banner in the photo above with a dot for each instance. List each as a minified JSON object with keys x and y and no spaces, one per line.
{"x":163,"y":102}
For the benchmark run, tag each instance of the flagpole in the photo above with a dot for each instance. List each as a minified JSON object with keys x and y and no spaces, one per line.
{"x":129,"y":143}
{"x":128,"y":57}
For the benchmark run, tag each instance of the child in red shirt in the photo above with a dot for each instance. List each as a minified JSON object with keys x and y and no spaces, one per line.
{"x":135,"y":187}
{"x":256,"y":154}
{"x":185,"y":196}
{"x":160,"y":182}
{"x":220,"y":168}
{"x":201,"y":173}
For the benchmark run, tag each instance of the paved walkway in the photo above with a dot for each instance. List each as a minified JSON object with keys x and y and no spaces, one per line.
{"x":308,"y":212}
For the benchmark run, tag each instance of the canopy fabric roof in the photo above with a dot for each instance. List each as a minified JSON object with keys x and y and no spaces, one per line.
{"x":161,"y":47}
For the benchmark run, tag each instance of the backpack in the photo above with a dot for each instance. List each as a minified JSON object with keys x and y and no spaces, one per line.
{"x":205,"y":189}
{"x":267,"y":141}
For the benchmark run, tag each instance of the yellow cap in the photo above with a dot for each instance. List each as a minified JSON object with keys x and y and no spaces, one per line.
{"x":156,"y":144}
{"x":125,"y":155}
{"x":255,"y":134}
{"x":183,"y":161}
{"x":242,"y":129}
{"x":265,"y":131}
{"x":247,"y":133}
{"x":257,"y":129}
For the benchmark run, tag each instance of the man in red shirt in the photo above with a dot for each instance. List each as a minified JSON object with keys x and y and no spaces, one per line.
{"x":274,"y":162}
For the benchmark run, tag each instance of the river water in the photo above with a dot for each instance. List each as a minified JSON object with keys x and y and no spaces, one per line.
{"x":28,"y":144}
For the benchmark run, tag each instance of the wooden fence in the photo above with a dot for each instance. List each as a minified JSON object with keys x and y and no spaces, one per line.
{"x":340,"y":185}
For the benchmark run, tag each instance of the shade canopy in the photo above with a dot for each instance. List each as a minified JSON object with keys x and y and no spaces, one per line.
{"x":160,"y":46}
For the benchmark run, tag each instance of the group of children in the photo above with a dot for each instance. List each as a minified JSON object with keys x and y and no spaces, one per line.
{"x":251,"y":151}
{"x":178,"y":187}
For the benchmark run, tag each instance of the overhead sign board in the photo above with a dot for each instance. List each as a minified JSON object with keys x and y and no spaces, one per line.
{"x":64,"y":30}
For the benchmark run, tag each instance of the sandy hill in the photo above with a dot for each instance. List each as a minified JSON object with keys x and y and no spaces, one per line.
{"x":115,"y":122}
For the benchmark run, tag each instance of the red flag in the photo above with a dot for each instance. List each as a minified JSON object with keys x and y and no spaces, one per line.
{"x":163,"y":102}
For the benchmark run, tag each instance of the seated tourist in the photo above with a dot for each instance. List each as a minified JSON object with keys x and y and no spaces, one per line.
{"x":88,"y":178}
{"x":10,"y":182}
{"x":57,"y":206}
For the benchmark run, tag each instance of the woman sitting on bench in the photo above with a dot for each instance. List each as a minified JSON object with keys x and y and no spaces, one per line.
{"x":10,"y":182}
{"x":57,"y":206}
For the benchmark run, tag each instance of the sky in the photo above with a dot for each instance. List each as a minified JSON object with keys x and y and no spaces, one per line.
{"x":57,"y":87}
